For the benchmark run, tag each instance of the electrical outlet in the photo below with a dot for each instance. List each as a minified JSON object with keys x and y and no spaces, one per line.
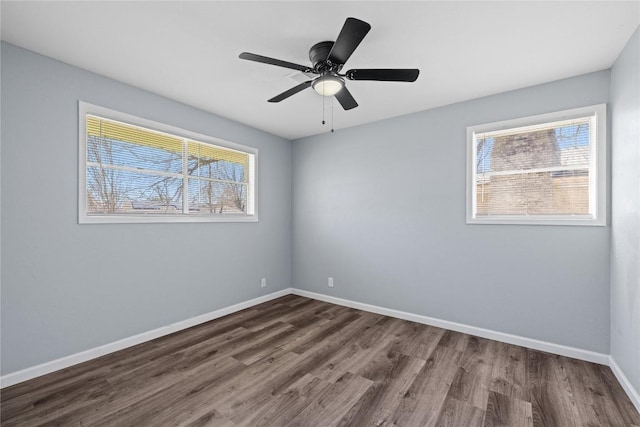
{"x":263,"y":282}
{"x":330,"y":282}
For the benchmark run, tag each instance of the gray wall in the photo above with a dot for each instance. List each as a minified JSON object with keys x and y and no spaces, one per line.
{"x":381,"y":208}
{"x":625,"y":223}
{"x":69,"y":287}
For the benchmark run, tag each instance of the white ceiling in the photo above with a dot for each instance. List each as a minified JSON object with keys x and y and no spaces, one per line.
{"x":188,"y":51}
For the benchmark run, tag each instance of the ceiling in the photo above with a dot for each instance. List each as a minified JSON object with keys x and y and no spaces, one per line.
{"x":188,"y":51}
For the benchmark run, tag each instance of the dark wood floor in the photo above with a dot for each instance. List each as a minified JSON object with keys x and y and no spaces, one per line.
{"x":299,"y":362}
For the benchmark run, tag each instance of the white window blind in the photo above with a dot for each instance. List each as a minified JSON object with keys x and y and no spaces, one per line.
{"x":142,"y":174}
{"x":544,"y":171}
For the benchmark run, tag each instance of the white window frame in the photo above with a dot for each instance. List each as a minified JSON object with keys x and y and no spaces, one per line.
{"x":85,"y":108}
{"x":597,"y":169}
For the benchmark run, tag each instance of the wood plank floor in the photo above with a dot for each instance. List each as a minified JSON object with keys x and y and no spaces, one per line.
{"x":300,"y":362}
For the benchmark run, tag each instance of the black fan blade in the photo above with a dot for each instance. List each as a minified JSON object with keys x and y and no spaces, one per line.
{"x":348,"y":40}
{"x":292,"y":91}
{"x":272,"y":61}
{"x":345,"y":99}
{"x":384,"y":74}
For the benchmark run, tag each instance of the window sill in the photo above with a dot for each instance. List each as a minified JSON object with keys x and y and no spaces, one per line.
{"x":506,"y":220}
{"x":146,"y":219}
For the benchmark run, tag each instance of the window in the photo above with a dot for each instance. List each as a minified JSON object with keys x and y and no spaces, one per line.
{"x":546,"y":169}
{"x":136,"y":170}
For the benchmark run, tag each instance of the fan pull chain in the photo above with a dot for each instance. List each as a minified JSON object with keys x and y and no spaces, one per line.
{"x":332,"y":113}
{"x":323,"y":122}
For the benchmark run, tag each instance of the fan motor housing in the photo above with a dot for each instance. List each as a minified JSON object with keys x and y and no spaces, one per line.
{"x":319,"y":53}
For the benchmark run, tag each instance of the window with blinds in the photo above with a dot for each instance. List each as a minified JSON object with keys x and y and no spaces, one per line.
{"x":545,"y":169}
{"x":134,"y":170}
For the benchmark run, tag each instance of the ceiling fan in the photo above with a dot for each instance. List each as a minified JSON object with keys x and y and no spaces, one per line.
{"x":328,"y":58}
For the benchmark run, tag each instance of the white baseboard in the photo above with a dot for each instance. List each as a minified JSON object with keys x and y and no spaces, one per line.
{"x":64,"y":362}
{"x":74,"y":359}
{"x":562,"y":350}
{"x":633,"y":394}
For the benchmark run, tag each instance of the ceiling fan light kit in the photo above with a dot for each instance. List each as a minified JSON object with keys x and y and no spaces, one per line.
{"x":328,"y":85}
{"x":328,"y":58}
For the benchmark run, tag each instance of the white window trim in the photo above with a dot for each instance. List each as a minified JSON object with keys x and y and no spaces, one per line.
{"x":85,"y":108}
{"x":598,"y":180}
